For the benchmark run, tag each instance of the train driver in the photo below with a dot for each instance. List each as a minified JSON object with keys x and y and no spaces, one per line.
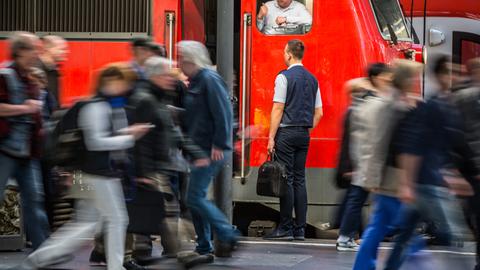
{"x":275,"y":15}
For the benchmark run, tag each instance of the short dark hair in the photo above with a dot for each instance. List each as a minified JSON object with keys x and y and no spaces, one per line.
{"x":376,"y":69}
{"x":141,"y":42}
{"x":296,"y":48}
{"x":440,"y":65}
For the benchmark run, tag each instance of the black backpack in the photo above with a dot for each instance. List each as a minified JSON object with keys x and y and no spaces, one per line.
{"x":64,"y":146}
{"x":272,"y":178}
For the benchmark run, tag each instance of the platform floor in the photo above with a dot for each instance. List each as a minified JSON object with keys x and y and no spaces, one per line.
{"x":256,"y":254}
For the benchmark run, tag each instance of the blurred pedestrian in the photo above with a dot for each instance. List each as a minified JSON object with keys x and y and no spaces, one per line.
{"x":208,"y":122}
{"x":141,"y":51}
{"x":20,"y":134}
{"x":106,"y":136}
{"x":53,"y":52}
{"x":379,"y":78}
{"x":380,"y":115}
{"x":425,"y":141}
{"x":467,"y":100}
{"x":297,"y":109}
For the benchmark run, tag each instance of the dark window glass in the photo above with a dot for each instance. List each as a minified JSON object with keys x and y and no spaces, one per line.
{"x":389,"y":15}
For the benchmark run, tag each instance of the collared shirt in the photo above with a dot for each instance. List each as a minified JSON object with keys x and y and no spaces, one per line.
{"x":296,"y":14}
{"x":281,"y":85}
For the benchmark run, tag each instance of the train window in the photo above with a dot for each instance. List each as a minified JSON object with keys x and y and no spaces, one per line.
{"x":284,"y":17}
{"x":106,"y":19}
{"x":469,"y":50}
{"x":390,"y":19}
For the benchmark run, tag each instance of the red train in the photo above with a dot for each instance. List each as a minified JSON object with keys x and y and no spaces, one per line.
{"x":342,"y":38}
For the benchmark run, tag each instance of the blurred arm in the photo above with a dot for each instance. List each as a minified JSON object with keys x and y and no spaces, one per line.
{"x":95,"y":124}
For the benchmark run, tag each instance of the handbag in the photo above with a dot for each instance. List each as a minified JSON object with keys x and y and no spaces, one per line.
{"x":272,"y":178}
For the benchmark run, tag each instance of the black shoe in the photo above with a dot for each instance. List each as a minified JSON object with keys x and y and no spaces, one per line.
{"x":197,"y":260}
{"x":299,"y":234}
{"x":279,"y":235}
{"x":225,"y":249}
{"x":97,"y":258}
{"x":132,"y":265}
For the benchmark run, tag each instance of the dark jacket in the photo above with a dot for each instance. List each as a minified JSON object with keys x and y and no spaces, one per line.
{"x":53,"y":84}
{"x":152,"y":152}
{"x":209,"y":117}
{"x":31,"y":92}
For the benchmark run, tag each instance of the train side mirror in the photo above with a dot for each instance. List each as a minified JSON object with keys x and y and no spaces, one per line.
{"x":436,"y":37}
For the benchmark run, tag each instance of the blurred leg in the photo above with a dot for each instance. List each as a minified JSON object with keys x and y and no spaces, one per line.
{"x":68,"y":237}
{"x":110,"y":202}
{"x":29,"y":176}
{"x":386,"y":209}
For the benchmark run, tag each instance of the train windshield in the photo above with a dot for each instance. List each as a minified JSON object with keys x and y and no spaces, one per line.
{"x":390,"y":19}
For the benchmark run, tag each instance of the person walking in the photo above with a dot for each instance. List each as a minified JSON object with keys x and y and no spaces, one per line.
{"x":20,"y":134}
{"x":208,"y":122}
{"x":297,"y":109}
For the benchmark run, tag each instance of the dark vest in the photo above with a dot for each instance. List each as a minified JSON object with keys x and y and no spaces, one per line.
{"x":301,"y":93}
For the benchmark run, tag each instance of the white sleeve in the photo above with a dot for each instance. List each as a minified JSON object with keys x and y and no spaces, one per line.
{"x":318,"y":99}
{"x":280,"y":89}
{"x":94,"y":121}
{"x":302,"y":16}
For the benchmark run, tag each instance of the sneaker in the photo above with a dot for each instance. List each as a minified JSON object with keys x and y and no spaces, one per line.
{"x":132,"y":265}
{"x":299,"y":234}
{"x":349,"y":245}
{"x":279,"y":235}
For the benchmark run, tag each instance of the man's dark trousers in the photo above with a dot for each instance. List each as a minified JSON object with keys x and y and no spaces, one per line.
{"x":291,"y":147}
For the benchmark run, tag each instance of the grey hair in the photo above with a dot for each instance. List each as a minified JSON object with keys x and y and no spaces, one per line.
{"x":195,"y":53}
{"x":21,"y":41}
{"x":156,"y":65}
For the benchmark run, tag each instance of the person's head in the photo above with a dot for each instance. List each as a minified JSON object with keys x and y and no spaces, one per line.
{"x":284,"y":3}
{"x":159,"y":73}
{"x":116,"y":79}
{"x":406,"y":75}
{"x":158,"y":50}
{"x":192,"y":57}
{"x":23,"y":49}
{"x":442,"y":69}
{"x":142,"y":50}
{"x":55,"y":48}
{"x":293,"y":52}
{"x":473,"y":68}
{"x":379,"y":75}
{"x":38,"y":77}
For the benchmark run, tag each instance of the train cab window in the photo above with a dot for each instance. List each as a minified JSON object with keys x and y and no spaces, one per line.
{"x":284,"y":17}
{"x":390,"y":20}
{"x":470,"y":50}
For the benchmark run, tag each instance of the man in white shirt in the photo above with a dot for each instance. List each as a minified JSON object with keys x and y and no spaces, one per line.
{"x":297,"y":108}
{"x":274,"y":16}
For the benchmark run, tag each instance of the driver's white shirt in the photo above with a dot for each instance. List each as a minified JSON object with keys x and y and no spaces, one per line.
{"x":296,"y":14}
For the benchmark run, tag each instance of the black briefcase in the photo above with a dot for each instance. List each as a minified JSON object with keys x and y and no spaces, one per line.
{"x":272,"y":178}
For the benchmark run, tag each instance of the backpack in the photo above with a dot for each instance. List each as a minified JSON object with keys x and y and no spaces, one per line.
{"x":272,"y":178}
{"x":64,"y":145}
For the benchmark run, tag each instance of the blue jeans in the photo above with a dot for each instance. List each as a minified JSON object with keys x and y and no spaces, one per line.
{"x":381,"y":222}
{"x":429,"y":205}
{"x":352,"y":215}
{"x":28,"y":175}
{"x":205,"y":214}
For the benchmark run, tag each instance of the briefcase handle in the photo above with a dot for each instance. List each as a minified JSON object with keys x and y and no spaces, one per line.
{"x":272,"y":156}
